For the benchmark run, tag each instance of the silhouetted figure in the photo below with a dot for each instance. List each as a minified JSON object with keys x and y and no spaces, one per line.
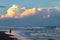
{"x":10,"y":31}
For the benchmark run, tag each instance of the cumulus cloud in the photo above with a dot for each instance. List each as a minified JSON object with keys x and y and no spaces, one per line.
{"x":11,"y":12}
{"x":28,"y":12}
{"x":48,"y":15}
{"x":39,"y":9}
{"x":57,"y":8}
{"x":2,"y":16}
{"x":15,"y":12}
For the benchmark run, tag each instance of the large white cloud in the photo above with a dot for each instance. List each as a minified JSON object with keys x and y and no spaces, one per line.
{"x":15,"y":12}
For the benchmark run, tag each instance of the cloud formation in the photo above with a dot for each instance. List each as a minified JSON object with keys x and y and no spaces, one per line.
{"x":48,"y":14}
{"x":39,"y":9}
{"x":14,"y":12}
{"x":57,"y":8}
{"x":28,"y":12}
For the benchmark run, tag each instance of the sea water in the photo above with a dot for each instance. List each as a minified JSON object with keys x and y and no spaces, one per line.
{"x":36,"y":33}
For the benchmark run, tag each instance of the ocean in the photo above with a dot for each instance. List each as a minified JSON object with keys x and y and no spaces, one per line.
{"x":36,"y":33}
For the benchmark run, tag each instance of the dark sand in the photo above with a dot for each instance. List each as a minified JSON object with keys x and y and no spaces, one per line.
{"x":4,"y":36}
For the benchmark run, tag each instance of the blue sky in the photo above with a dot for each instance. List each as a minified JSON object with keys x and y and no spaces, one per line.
{"x":29,"y":4}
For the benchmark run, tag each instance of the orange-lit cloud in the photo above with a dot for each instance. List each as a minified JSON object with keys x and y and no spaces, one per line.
{"x":28,"y":12}
{"x":11,"y":12}
{"x":14,"y":12}
{"x":2,"y":16}
{"x":39,"y":9}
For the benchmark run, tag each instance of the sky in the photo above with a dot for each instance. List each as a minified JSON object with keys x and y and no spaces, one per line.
{"x":28,"y":8}
{"x":28,"y":4}
{"x":31,"y":3}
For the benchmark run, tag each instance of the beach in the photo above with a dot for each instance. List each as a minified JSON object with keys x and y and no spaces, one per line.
{"x":36,"y":33}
